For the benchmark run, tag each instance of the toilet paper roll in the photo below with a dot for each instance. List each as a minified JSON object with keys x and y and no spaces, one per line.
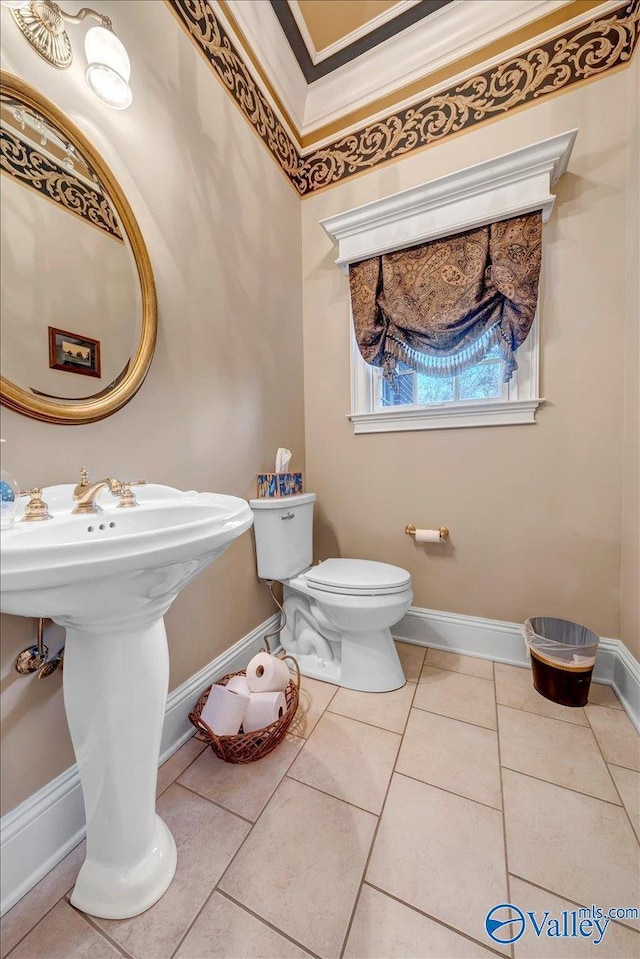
{"x":266,"y":674}
{"x":427,"y":536}
{"x":263,"y":708}
{"x":239,"y":684}
{"x":224,"y":711}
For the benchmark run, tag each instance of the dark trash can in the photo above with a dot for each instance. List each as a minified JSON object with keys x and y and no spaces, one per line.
{"x":563,"y":655}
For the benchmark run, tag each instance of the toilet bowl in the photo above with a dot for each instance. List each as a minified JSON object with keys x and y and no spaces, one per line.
{"x":339,"y":613}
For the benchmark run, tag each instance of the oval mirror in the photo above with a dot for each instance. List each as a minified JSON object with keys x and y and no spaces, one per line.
{"x":78,"y":298}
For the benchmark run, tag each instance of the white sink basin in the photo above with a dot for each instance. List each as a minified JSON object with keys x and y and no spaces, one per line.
{"x":167,"y":526}
{"x":109,"y":578}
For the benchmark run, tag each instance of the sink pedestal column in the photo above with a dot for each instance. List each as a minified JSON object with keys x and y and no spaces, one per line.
{"x":115,"y":690}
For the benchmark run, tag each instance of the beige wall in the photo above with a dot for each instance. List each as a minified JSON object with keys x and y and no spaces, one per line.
{"x":534,"y":511}
{"x":630,"y":567}
{"x":225,"y":387}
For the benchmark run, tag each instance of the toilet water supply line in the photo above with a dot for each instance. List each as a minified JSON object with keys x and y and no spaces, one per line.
{"x":283,"y":618}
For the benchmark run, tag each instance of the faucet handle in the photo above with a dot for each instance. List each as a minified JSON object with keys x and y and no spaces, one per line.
{"x":84,"y":476}
{"x":127,"y":496}
{"x":36,"y":509}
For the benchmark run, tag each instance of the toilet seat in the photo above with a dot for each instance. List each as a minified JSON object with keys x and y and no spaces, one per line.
{"x":357,"y":577}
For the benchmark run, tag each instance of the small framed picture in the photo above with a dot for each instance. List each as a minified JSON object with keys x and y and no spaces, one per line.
{"x":73,"y":352}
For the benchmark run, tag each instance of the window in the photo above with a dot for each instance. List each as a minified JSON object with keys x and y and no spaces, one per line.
{"x":416,"y":401}
{"x":506,"y":186}
{"x":480,"y":382}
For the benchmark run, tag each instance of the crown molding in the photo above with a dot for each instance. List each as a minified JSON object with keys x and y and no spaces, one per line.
{"x":449,"y":34}
{"x":392,"y":76}
{"x":344,"y":102}
{"x":516,"y":79}
{"x":264,"y":38}
{"x":509,"y":185}
{"x":317,"y":56}
{"x":446,"y":36}
{"x":301,"y":24}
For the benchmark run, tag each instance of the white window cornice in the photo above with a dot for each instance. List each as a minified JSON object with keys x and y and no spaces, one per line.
{"x":510,"y":185}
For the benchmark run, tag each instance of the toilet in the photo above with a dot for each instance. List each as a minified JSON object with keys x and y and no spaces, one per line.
{"x":339,"y":613}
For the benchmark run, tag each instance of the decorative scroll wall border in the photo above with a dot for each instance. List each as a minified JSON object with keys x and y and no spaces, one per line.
{"x":39,"y":172}
{"x":579,"y":55}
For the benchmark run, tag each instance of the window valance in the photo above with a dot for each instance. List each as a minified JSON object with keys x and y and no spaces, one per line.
{"x":441,"y":306}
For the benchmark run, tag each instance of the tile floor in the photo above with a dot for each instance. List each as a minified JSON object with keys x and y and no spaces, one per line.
{"x":384,"y":827}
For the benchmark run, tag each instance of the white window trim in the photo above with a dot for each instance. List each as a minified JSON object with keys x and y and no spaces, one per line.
{"x":511,"y":185}
{"x":520,"y":406}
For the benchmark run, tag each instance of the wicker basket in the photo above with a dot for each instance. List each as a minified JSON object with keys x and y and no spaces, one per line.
{"x":248,"y":747}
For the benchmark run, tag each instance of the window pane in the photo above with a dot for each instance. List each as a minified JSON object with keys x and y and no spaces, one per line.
{"x":481,"y":382}
{"x":400,"y":391}
{"x":435,"y":389}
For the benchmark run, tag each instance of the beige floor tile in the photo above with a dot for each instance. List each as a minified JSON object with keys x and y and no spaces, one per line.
{"x":412,"y":659}
{"x":470,"y":665}
{"x":456,"y":695}
{"x":224,"y":930}
{"x":616,"y":943}
{"x":384,"y":927}
{"x":64,"y":934}
{"x":561,"y":753}
{"x":350,"y":760}
{"x":454,"y":755}
{"x":601,"y":695}
{"x":314,"y":699}
{"x":301,"y":866}
{"x":514,"y":687}
{"x":574,"y":845}
{"x":628,"y":783}
{"x":207,"y":837}
{"x":440,"y":853}
{"x":177,"y":763}
{"x":31,"y":908}
{"x":243,"y":788}
{"x":388,"y":710}
{"x":618,"y":740}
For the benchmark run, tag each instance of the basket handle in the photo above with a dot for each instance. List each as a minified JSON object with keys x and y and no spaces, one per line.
{"x":201,"y":727}
{"x":295,"y":663}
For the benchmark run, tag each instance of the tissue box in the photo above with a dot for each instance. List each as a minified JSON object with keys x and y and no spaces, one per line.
{"x":279,"y":484}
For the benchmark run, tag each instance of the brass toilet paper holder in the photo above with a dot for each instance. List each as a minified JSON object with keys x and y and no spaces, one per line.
{"x":410,"y":530}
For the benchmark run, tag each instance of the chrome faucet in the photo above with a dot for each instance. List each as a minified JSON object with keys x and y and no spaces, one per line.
{"x":85,"y":493}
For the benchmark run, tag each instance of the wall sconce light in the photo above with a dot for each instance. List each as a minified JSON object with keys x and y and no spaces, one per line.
{"x":108,"y":68}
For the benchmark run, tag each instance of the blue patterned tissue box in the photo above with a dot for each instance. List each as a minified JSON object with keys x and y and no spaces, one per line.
{"x":279,"y":484}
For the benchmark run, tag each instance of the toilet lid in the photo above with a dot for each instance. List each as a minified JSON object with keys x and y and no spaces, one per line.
{"x":358,"y":576}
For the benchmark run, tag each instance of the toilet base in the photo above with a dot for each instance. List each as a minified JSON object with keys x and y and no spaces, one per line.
{"x":370,"y":664}
{"x":317,"y":668}
{"x":343,"y":638}
{"x":366,"y":661}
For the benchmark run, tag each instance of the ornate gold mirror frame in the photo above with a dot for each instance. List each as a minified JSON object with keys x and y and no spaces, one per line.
{"x":88,"y":411}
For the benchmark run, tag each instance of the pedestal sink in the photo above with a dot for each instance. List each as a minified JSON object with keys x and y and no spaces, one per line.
{"x":109,"y":578}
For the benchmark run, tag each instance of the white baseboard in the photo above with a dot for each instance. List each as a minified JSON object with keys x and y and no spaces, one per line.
{"x":504,"y":643}
{"x":40,"y":832}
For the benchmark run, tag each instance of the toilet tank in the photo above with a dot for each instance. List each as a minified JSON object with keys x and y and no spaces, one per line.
{"x":283,"y":530}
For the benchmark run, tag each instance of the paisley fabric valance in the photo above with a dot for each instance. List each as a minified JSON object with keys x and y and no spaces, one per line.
{"x":440,"y":307}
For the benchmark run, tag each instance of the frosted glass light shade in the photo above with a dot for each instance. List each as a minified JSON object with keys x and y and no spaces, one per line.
{"x":109,"y":86}
{"x":102,"y":46}
{"x":108,"y":68}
